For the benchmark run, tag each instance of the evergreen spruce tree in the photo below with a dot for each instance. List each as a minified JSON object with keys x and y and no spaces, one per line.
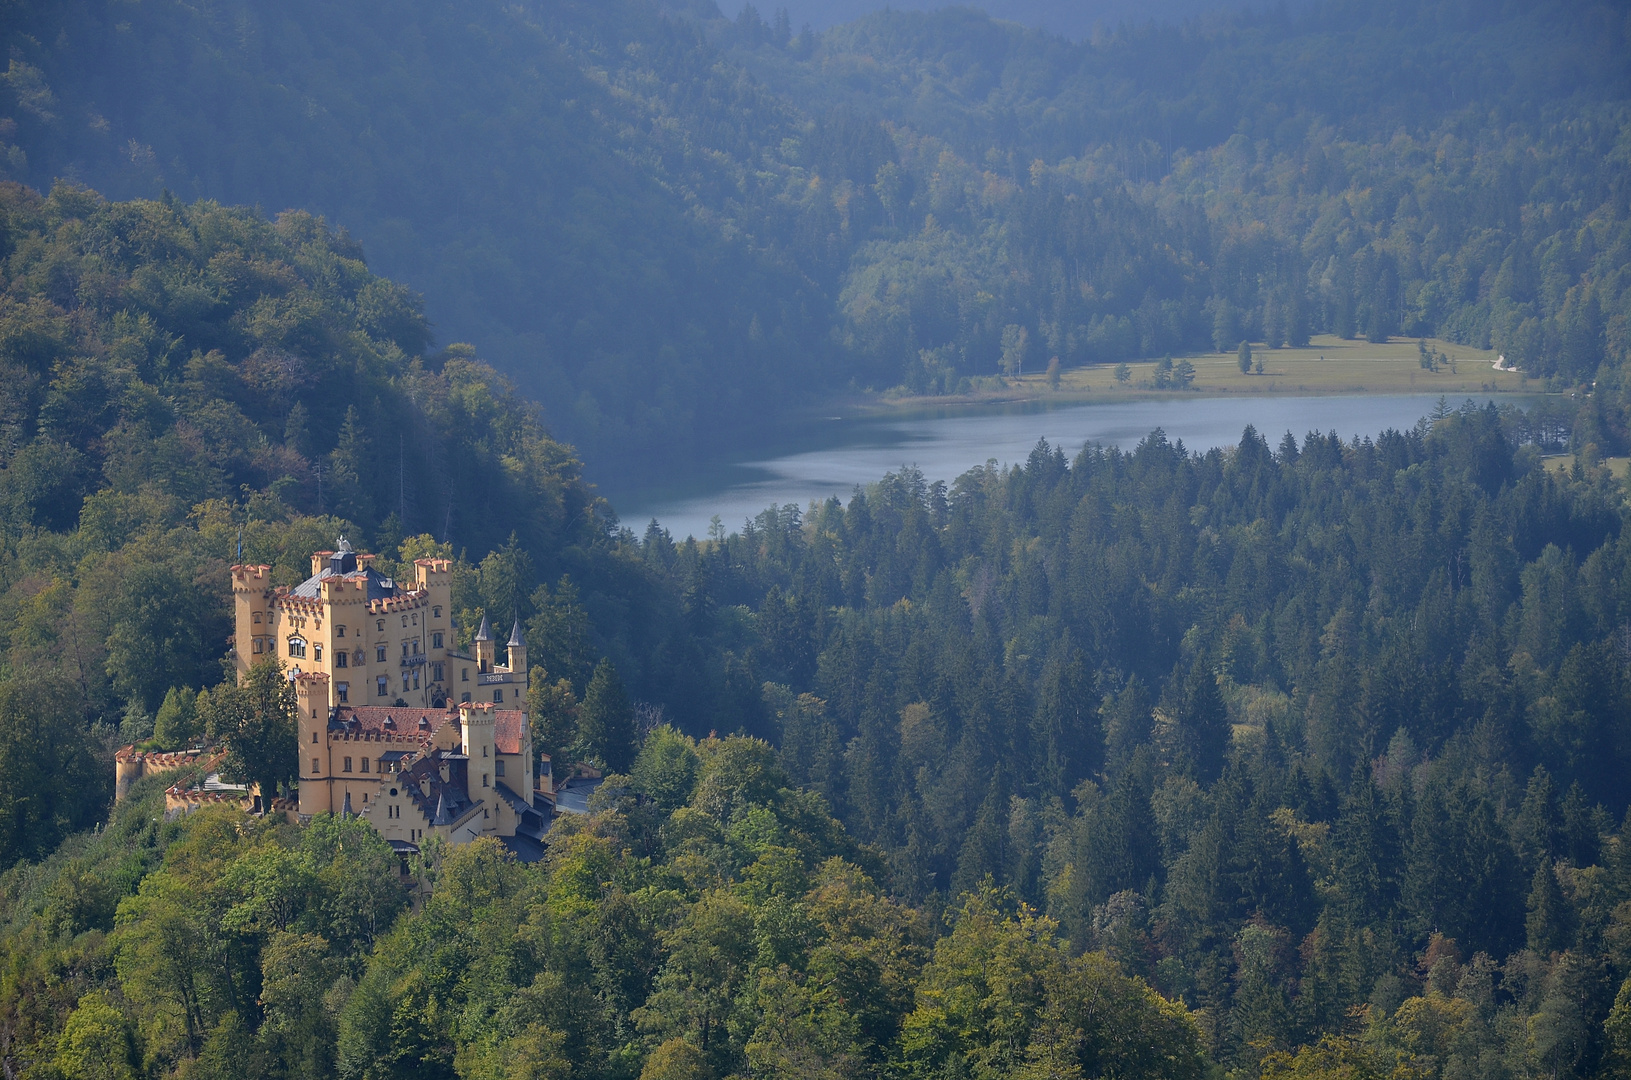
{"x":606,"y":721}
{"x":1548,"y":921}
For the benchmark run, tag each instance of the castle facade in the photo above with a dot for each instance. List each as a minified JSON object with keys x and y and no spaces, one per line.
{"x":397,"y":725}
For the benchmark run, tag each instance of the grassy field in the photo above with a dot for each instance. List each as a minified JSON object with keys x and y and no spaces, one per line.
{"x":1563,"y":464}
{"x":1329,"y":365}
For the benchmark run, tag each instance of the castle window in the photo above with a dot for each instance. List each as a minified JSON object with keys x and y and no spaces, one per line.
{"x":484,"y":751}
{"x":416,"y":619}
{"x":484,"y":784}
{"x":358,"y":658}
{"x":314,"y":766}
{"x":317,"y":652}
{"x":416,"y":649}
{"x":257,"y":645}
{"x":342,"y":689}
{"x":498,"y":769}
{"x":464,"y":676}
{"x":436,"y":640}
{"x":256,"y":617}
{"x":464,"y":698}
{"x":404,"y":620}
{"x":341,"y":659}
{"x":314,"y":737}
{"x":379,"y":653}
{"x":365,"y":769}
{"x":498,"y":695}
{"x":347,"y":767}
{"x":437,"y":672}
{"x":404,"y":650}
{"x":365,"y":794}
{"x":379,"y":624}
{"x":416,"y":678}
{"x":436,"y":612}
{"x":339,"y":631}
{"x":380,"y":683}
{"x":297,"y":646}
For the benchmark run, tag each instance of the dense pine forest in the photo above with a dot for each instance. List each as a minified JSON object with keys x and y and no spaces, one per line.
{"x":1304,"y":758}
{"x":1288,"y":759}
{"x":672,"y":226}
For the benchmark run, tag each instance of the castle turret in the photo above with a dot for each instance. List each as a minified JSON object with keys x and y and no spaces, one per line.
{"x":518,"y":653}
{"x":484,"y":646}
{"x":127,"y":769}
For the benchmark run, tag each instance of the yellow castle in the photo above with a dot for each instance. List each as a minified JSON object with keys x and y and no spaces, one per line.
{"x":396,"y":724}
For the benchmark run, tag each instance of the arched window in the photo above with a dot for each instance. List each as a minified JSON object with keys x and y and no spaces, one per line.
{"x":379,"y":624}
{"x":297,"y":646}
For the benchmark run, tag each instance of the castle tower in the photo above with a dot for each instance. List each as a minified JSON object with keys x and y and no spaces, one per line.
{"x":518,"y":655}
{"x":484,"y":646}
{"x":127,"y":769}
{"x":435,"y":582}
{"x":476,"y":724}
{"x":253,"y":636}
{"x":311,"y":701}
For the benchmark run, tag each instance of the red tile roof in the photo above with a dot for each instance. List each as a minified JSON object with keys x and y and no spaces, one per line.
{"x":370,"y":721}
{"x":507,"y":731}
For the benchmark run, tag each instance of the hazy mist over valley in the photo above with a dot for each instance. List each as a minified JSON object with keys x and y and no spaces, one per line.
{"x":637,"y":540}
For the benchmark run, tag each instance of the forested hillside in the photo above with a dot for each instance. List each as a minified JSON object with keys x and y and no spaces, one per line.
{"x":670,"y":225}
{"x":1300,"y":758}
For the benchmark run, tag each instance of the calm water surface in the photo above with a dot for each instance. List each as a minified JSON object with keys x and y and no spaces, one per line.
{"x":945,"y":445}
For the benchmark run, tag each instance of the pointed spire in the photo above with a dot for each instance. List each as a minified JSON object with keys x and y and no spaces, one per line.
{"x":486,"y":631}
{"x":444,"y":816}
{"x":346,"y":811}
{"x":516,"y":637}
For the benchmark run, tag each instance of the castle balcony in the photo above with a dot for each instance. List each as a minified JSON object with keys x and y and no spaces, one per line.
{"x":414,"y":661}
{"x":494,"y":677}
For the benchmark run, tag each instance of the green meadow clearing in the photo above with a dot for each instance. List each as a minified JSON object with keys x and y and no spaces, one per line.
{"x":1328,"y":365}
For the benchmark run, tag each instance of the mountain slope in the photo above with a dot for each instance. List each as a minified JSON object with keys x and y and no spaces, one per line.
{"x":548,"y":176}
{"x":673,"y":228}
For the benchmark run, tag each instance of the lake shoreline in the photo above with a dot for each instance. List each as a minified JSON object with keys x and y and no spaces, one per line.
{"x":1327,"y":366}
{"x":837,"y":455}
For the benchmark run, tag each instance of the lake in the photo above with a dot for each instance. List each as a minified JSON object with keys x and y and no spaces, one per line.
{"x":841,"y":454}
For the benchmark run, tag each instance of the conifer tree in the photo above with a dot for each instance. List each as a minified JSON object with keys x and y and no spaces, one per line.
{"x":606,"y":721}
